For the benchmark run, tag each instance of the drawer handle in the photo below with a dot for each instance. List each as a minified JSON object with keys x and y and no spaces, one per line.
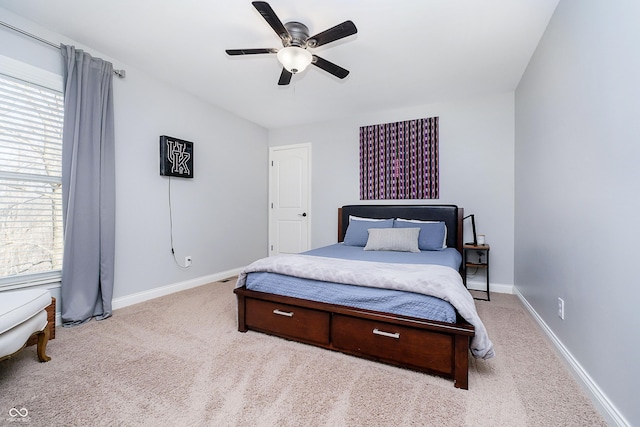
{"x":283,"y":313}
{"x":395,"y":335}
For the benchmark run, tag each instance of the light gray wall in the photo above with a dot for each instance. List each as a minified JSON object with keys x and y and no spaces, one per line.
{"x":219,"y":217}
{"x":576,"y":182}
{"x":476,"y":168}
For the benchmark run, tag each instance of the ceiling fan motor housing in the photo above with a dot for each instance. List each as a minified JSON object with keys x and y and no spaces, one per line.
{"x":299,"y":34}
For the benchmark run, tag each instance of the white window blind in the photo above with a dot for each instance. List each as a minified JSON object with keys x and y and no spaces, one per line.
{"x":31,"y":235}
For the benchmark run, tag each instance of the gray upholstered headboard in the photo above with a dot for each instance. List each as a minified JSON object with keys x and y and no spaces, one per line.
{"x":451,"y":214}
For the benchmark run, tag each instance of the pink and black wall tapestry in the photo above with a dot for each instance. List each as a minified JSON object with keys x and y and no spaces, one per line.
{"x":399,"y":160}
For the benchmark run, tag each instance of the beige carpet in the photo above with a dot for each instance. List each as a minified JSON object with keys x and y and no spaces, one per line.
{"x":180,"y":361}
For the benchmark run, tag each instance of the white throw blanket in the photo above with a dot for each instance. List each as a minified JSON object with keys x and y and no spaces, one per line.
{"x":435,"y":280}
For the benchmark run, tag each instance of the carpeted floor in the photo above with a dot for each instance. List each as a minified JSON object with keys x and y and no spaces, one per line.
{"x":180,"y":361}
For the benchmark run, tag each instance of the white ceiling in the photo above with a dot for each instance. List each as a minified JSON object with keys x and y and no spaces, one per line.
{"x":406,"y":52}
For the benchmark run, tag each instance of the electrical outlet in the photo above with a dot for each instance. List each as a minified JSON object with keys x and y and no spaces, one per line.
{"x":187,"y":261}
{"x":561,"y":308}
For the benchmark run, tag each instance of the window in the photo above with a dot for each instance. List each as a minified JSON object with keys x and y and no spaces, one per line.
{"x":31,"y":115}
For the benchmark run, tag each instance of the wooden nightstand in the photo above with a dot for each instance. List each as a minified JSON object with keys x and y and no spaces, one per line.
{"x":479,"y":260}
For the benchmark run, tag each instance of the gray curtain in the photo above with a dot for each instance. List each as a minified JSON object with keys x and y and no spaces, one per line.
{"x":88,"y":188}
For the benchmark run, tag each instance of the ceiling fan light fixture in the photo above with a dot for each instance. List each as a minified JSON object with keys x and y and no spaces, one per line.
{"x":294,"y":59}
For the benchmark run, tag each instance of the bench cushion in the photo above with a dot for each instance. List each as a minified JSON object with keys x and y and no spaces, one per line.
{"x":15,"y":338}
{"x":17,"y":307}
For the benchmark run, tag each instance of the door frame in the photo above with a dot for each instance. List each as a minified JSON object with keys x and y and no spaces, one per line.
{"x":271,"y":229}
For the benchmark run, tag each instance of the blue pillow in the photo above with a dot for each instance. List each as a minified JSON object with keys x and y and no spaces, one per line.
{"x":357,"y":234}
{"x":432,"y":236}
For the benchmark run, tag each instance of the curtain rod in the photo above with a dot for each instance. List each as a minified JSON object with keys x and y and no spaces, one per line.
{"x":119,"y":73}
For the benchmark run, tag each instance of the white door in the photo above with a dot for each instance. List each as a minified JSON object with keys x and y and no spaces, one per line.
{"x":289,"y":199}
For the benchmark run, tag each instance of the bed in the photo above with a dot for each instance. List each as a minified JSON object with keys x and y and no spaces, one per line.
{"x":398,"y":333}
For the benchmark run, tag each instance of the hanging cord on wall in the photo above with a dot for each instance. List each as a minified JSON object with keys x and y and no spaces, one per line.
{"x":173,"y":252}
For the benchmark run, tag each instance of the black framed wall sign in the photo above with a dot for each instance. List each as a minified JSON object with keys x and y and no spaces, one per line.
{"x":176,"y":157}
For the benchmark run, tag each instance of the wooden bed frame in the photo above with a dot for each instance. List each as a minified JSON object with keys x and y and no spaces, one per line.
{"x":428,"y":346}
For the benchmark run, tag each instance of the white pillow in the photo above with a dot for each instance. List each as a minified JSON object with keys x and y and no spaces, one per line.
{"x":393,"y":239}
{"x":360,"y":218}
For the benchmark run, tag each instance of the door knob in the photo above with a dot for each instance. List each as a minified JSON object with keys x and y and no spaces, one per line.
{"x":303,"y":214}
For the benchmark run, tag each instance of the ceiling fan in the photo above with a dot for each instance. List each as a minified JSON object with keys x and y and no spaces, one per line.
{"x":295,"y":56}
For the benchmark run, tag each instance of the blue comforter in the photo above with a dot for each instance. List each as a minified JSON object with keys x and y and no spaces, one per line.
{"x":385,"y":300}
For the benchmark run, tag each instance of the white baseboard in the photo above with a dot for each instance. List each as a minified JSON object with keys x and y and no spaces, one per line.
{"x":481,"y":285}
{"x":162,"y":291}
{"x":607,"y":409}
{"x":170,"y":289}
{"x":139,"y":297}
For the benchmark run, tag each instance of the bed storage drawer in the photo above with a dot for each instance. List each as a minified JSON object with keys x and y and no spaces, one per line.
{"x":392,"y":343}
{"x":288,"y":321}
